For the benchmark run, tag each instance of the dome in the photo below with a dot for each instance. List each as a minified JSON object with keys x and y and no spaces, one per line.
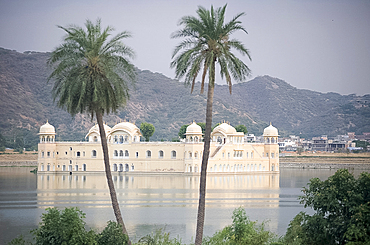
{"x":95,"y":129}
{"x":194,"y":129}
{"x":225,"y":128}
{"x":270,"y":131}
{"x":130,"y":128}
{"x":47,"y":129}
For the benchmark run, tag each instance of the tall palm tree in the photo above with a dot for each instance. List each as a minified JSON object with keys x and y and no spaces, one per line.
{"x":92,"y":74}
{"x":207,"y":42}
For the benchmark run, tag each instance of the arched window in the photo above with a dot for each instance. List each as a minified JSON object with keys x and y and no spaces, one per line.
{"x":121,"y":153}
{"x":115,"y":153}
{"x":126,"y":153}
{"x":93,"y":153}
{"x":115,"y":139}
{"x":148,"y":154}
{"x":196,"y":155}
{"x":126,"y":138}
{"x":126,"y":168}
{"x":63,"y":168}
{"x":48,"y":167}
{"x":190,"y":154}
{"x":83,"y":167}
{"x":76,"y":167}
{"x":114,"y":167}
{"x":78,"y":154}
{"x":42,"y":154}
{"x":121,"y":139}
{"x":95,"y":139}
{"x":120,"y":168}
{"x":132,"y":167}
{"x":173,"y":154}
{"x":160,"y":154}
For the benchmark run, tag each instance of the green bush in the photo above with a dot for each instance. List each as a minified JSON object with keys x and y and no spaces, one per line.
{"x":112,"y":234}
{"x":242,"y":231}
{"x":160,"y":237}
{"x":342,"y":211}
{"x":68,"y":227}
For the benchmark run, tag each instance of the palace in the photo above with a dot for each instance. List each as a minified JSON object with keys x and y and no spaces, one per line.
{"x":229,"y":153}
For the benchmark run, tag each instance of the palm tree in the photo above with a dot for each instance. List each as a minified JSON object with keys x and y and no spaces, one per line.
{"x":207,"y":42}
{"x":91,"y":74}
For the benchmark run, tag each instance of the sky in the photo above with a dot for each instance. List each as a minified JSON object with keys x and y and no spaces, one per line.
{"x":320,"y":45}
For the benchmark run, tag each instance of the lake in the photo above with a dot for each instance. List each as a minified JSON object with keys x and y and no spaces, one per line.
{"x":153,"y":201}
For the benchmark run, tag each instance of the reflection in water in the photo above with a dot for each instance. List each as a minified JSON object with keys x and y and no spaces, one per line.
{"x":170,"y":200}
{"x":152,"y":190}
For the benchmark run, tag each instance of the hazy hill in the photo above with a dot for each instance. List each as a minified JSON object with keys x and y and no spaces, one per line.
{"x":26,"y":104}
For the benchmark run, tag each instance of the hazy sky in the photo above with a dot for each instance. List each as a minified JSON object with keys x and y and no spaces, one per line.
{"x":321,"y":45}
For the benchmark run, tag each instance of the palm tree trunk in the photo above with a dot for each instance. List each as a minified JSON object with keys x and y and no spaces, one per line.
{"x":203,"y":173}
{"x":108,"y":173}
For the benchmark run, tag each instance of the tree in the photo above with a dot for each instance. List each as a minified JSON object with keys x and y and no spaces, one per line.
{"x":207,"y":42}
{"x":147,"y":130}
{"x":68,"y":227}
{"x":92,"y":74}
{"x":299,"y":150}
{"x":241,"y":128}
{"x":63,"y":227}
{"x":342,"y":211}
{"x":242,"y":231}
{"x":182,"y":131}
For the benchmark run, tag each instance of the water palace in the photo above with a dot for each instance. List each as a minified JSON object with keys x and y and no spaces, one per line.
{"x":229,"y":153}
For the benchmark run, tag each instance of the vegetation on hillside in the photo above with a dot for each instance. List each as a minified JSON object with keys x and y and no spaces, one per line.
{"x":26,"y":104}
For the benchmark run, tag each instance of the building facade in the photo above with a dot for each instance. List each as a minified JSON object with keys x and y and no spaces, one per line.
{"x":229,"y":153}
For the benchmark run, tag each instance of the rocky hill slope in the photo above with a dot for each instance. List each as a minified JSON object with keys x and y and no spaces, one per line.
{"x":26,"y":104}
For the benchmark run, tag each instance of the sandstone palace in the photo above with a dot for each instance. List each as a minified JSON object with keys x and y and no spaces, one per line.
{"x":229,"y":152}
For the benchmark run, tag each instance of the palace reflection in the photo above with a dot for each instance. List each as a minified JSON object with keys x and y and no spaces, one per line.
{"x":149,"y":198}
{"x":91,"y":189}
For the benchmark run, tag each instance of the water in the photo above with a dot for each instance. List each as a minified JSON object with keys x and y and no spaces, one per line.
{"x":152,"y":201}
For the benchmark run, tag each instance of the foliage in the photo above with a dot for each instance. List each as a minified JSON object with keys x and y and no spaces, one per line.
{"x":63,"y":227}
{"x":147,"y":130}
{"x":90,"y":72}
{"x":91,"y":75}
{"x":241,"y":128}
{"x":361,"y":143}
{"x":299,"y":150}
{"x":112,"y":234}
{"x":207,"y":43}
{"x":160,"y":237}
{"x":342,"y":211}
{"x":182,"y":131}
{"x":242,"y":231}
{"x":68,"y":227}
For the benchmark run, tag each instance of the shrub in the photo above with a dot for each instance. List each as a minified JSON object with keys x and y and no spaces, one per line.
{"x":242,"y":231}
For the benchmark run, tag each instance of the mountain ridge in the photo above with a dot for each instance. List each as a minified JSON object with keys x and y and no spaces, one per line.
{"x":26,"y":104}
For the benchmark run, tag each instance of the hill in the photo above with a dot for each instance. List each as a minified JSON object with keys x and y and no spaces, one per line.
{"x":26,"y":104}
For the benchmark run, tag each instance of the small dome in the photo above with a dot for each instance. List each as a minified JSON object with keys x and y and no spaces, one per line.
{"x":130,"y":128}
{"x":194,"y":129}
{"x":47,"y":129}
{"x":95,"y":129}
{"x":270,"y":131}
{"x":225,"y":128}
